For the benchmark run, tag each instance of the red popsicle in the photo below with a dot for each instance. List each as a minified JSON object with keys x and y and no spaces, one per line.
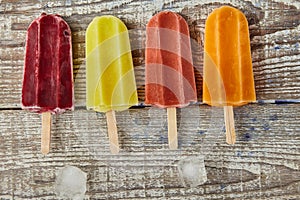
{"x":48,"y":72}
{"x":170,"y":81}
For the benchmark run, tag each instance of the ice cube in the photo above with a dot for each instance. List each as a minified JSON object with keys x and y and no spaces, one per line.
{"x":70,"y":183}
{"x":192,"y":171}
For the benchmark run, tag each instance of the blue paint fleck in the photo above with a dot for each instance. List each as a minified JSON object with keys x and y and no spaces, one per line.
{"x":179,"y":144}
{"x":251,"y":128}
{"x":251,"y":153}
{"x":201,"y":132}
{"x":286,"y":101}
{"x":224,"y":129}
{"x":273,"y":118}
{"x":239,"y":153}
{"x":277,"y":47}
{"x":266,"y":127}
{"x":163,"y":138}
{"x":165,"y":127}
{"x":260,"y":101}
{"x":247,"y":137}
{"x":254,"y":119}
{"x":222,"y":186}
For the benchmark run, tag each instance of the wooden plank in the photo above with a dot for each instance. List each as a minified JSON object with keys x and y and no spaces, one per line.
{"x":274,"y":30}
{"x":263,"y":164}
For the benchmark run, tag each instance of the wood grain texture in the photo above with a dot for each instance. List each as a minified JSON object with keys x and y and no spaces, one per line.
{"x":263,"y":164}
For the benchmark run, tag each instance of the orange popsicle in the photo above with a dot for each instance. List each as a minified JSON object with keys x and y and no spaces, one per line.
{"x":228,"y":76}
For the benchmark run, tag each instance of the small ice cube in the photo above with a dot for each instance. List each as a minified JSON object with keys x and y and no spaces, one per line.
{"x":70,"y":183}
{"x":192,"y":171}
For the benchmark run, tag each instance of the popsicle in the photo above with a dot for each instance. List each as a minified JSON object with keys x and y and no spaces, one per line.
{"x":228,"y":76}
{"x":110,"y":80}
{"x":170,"y":81}
{"x":48,"y":71}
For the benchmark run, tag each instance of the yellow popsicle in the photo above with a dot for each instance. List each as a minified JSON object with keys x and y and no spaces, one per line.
{"x":110,"y":81}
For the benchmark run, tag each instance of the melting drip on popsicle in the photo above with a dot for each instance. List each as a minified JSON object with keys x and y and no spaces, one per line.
{"x":170,"y":81}
{"x":228,"y":76}
{"x":110,"y":80}
{"x":48,"y":72}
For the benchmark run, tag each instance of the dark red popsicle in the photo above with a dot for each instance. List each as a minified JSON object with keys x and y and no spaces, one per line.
{"x":48,"y":71}
{"x":48,"y":81}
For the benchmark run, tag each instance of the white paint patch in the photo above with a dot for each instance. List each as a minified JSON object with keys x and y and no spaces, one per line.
{"x":264,"y":4}
{"x":289,"y":2}
{"x":254,"y":168}
{"x":158,"y":4}
{"x":291,"y":165}
{"x":68,"y":2}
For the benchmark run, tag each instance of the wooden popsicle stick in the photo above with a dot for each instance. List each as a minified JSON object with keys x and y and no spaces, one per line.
{"x":46,"y":132}
{"x":172,"y":128}
{"x":229,"y":124}
{"x":112,"y":132}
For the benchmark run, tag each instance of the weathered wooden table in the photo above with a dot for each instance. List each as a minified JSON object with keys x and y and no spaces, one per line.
{"x":263,"y":164}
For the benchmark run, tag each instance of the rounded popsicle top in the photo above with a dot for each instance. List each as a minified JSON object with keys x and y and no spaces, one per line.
{"x":226,"y":12}
{"x":104,"y":24}
{"x":163,"y":19}
{"x":104,"y":29}
{"x":50,"y":18}
{"x":227,"y":71}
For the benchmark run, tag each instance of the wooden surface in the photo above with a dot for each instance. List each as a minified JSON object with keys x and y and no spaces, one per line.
{"x":263,"y":164}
